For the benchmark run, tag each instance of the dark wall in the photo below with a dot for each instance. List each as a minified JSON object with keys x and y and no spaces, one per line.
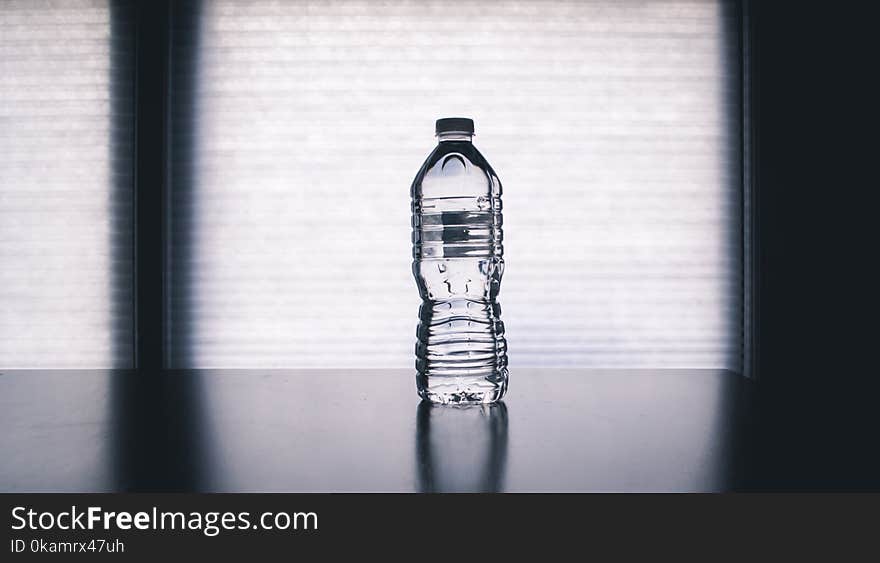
{"x":815,"y":246}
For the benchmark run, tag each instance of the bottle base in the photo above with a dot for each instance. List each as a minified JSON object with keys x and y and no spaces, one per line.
{"x":462,"y":390}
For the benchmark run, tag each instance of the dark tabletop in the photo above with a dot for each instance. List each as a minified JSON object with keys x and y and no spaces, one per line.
{"x":334,"y":430}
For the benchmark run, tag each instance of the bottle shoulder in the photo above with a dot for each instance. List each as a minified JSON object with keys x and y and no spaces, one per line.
{"x":453,"y":162}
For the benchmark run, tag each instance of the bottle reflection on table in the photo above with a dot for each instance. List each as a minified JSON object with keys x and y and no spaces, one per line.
{"x":461,"y":449}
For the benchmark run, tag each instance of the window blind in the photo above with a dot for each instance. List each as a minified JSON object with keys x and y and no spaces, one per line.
{"x":614,"y":127}
{"x":65,"y":184}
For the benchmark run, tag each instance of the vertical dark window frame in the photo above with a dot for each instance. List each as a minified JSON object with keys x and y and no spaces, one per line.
{"x":183,"y":79}
{"x":122,"y":142}
{"x":152,"y":21}
{"x":740,"y":123}
{"x":754,"y":196}
{"x":156,"y":129}
{"x":157,"y":440}
{"x":750,"y":231}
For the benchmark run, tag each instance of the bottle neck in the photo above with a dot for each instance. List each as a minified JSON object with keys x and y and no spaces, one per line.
{"x":455,"y":136}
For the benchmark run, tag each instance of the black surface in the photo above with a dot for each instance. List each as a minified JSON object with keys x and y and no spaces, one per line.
{"x":330,"y":430}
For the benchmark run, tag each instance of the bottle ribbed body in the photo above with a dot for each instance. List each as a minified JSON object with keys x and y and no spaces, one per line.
{"x":461,"y":352}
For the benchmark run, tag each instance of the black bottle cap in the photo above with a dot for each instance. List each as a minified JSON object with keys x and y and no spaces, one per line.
{"x":454,"y":124}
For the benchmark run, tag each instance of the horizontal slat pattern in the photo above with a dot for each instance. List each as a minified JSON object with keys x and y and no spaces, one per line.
{"x":612,"y":126}
{"x":65,"y":184}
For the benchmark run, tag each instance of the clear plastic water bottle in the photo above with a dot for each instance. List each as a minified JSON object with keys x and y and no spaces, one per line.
{"x":461,"y":353}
